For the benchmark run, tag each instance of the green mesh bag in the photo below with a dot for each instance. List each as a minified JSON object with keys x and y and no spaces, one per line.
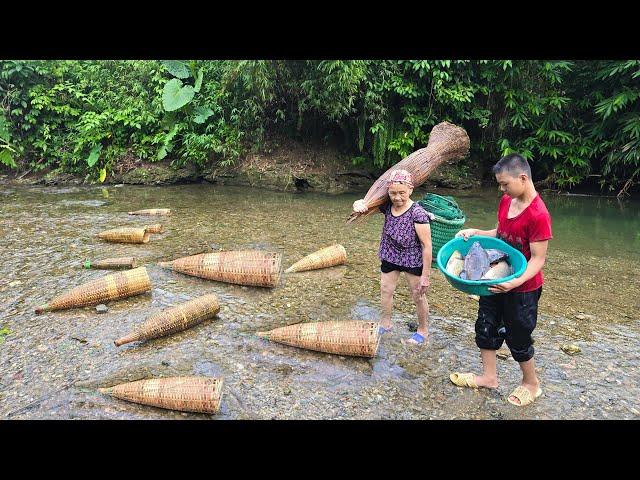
{"x":449,"y":219}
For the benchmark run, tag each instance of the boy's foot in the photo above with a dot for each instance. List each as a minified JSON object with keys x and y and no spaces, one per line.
{"x":417,"y":339}
{"x":524,"y":395}
{"x":472,"y":380}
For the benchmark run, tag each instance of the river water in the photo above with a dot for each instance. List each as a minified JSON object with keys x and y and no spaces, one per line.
{"x":52,"y":364}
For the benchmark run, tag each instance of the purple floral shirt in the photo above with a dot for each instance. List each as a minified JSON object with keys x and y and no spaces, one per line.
{"x":399,"y":243}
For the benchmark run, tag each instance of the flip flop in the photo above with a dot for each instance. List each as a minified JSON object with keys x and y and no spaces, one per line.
{"x":524,"y":395}
{"x":382,"y":330}
{"x":415,"y":339}
{"x":464,"y":379}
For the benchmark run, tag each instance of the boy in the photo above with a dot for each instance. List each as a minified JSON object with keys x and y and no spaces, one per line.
{"x":523,"y":222}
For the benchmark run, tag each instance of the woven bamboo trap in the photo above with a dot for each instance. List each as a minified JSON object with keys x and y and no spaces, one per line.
{"x":187,"y":394}
{"x":114,"y":286}
{"x":174,"y":319}
{"x":325,"y":257}
{"x":155,"y":228}
{"x":111,"y":263}
{"x":243,"y":267}
{"x":126,"y":235}
{"x":350,"y":337}
{"x":152,"y":211}
{"x":446,"y":142}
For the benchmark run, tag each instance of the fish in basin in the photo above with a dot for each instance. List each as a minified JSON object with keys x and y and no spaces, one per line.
{"x":500,"y":270}
{"x":476,"y":262}
{"x":455,"y":263}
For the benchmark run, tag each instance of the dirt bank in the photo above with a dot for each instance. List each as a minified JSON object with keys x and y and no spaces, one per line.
{"x":282,"y":165}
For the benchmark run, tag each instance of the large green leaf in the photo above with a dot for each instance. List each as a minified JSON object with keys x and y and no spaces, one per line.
{"x":201,"y":114}
{"x":6,"y":158}
{"x":94,"y":156}
{"x":198,"y":84}
{"x":177,"y":68}
{"x":175,"y":95}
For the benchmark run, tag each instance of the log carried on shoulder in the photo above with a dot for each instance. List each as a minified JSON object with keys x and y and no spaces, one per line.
{"x":446,"y":142}
{"x":174,"y":319}
{"x":187,"y":394}
{"x":114,"y":286}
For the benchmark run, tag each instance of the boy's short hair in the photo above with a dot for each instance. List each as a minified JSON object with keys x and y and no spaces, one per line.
{"x":514,"y":164}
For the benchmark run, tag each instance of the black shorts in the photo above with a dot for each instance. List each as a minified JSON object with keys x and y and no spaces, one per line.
{"x":387,"y":267}
{"x":509,"y":317}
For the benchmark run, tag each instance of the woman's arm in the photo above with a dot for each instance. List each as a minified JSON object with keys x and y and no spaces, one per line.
{"x":424,"y":235}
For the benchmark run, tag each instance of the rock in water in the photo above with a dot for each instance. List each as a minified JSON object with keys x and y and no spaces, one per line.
{"x":476,"y":262}
{"x":102,"y":308}
{"x":455,"y":263}
{"x":500,"y":270}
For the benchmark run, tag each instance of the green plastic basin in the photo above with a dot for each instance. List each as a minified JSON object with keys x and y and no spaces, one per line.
{"x":479,"y":287}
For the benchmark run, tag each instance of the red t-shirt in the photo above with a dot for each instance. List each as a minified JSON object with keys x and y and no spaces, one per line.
{"x":533,"y":224}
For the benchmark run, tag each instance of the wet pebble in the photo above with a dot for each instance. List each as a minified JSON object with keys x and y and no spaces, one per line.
{"x":102,"y":308}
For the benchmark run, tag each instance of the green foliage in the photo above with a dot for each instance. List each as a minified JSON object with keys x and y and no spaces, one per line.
{"x":572,"y":120}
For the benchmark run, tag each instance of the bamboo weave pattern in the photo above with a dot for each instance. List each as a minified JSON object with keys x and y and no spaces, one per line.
{"x":446,"y":142}
{"x":325,"y":257}
{"x":152,"y":211}
{"x":174,"y":319}
{"x":125,"y":235}
{"x":187,"y":394}
{"x":350,"y":337}
{"x":243,"y":267}
{"x":156,"y":228}
{"x":111,"y":263}
{"x":114,"y":286}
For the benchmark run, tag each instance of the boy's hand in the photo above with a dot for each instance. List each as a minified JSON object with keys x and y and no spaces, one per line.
{"x":359,"y":206}
{"x":466,"y":233}
{"x":423,"y":286}
{"x":505,"y":286}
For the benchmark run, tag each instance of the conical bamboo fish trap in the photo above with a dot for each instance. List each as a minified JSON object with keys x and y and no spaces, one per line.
{"x":351,"y":337}
{"x":111,"y":263}
{"x":110,"y":287}
{"x":156,"y":228}
{"x":325,"y":257}
{"x":446,"y":142}
{"x":152,"y":211}
{"x":174,"y":319}
{"x":187,"y":394}
{"x":243,"y":267}
{"x":126,"y":235}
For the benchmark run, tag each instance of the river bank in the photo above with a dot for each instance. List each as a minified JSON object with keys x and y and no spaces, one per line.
{"x":282,"y":165}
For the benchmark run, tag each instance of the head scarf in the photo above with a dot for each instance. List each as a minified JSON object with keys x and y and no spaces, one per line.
{"x":400,"y":176}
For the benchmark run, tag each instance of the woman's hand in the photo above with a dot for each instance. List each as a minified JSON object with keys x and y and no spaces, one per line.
{"x":466,"y":233}
{"x":423,"y":285}
{"x":360,"y":206}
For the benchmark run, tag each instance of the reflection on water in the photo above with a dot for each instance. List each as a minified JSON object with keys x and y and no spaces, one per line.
{"x":52,"y":364}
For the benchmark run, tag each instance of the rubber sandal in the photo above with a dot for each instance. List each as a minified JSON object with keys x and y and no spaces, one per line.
{"x":524,"y":395}
{"x":463,"y":379}
{"x":382,"y":330}
{"x":415,"y":339}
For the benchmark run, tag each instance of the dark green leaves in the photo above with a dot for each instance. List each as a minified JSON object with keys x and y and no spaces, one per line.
{"x":177,"y":68}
